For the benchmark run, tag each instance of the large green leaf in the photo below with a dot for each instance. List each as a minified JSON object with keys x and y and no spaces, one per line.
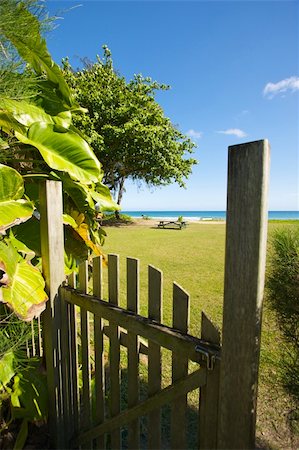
{"x":25,"y":113}
{"x":78,"y":192}
{"x":7,"y":369}
{"x":29,"y":396}
{"x":11,"y":184}
{"x":63,"y":150}
{"x":23,"y":290}
{"x":8,"y":123}
{"x":85,"y":196}
{"x":22,"y":248}
{"x":29,"y":234}
{"x":102,"y":196}
{"x":50,"y":100}
{"x":14,"y":212}
{"x":14,"y":209}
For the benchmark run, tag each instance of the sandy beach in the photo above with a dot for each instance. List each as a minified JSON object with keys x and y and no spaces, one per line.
{"x":154,"y":222}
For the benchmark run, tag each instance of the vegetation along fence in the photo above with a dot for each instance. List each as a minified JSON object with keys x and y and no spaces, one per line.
{"x":86,"y":337}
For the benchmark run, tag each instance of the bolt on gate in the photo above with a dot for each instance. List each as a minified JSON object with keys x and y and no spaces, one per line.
{"x":76,"y":325}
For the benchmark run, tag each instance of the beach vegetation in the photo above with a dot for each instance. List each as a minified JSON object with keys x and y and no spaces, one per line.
{"x":127,"y":128}
{"x":283,"y":289}
{"x":109,"y":219}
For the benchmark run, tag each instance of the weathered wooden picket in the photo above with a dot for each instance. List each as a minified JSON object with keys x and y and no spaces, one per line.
{"x":34,"y":345}
{"x":77,"y":325}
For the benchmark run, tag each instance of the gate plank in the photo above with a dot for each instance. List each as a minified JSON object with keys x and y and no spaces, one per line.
{"x":65,"y":366}
{"x":98,"y":353}
{"x":181,"y":316}
{"x":114,"y":353}
{"x":154,"y":355}
{"x":39,"y":335}
{"x":85,"y":342}
{"x":132,"y":344}
{"x":161,"y":334}
{"x":52,"y":252}
{"x":73,"y":358}
{"x":167,"y":395}
{"x":209,"y":393}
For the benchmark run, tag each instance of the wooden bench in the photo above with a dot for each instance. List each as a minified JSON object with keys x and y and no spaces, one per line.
{"x":171,"y":224}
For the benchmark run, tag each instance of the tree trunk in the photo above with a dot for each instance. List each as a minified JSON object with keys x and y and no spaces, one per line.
{"x":121,"y":190}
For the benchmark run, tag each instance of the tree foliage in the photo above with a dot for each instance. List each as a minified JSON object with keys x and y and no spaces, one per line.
{"x":127,"y":128}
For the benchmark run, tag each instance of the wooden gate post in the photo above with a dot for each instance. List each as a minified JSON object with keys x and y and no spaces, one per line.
{"x":52,"y":251}
{"x":246,"y":235}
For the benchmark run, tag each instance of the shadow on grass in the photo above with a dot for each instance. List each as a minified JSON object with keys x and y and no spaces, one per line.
{"x":191,"y":418}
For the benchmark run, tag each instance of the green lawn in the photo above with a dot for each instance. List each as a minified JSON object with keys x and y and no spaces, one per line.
{"x":194,"y":258}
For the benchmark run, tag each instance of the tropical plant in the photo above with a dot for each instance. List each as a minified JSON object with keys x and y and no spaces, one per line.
{"x":37,"y":141}
{"x":23,"y":391}
{"x":127,"y":128}
{"x":40,"y":141}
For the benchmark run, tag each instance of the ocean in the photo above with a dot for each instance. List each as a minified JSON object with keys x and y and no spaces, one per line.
{"x":205,"y":215}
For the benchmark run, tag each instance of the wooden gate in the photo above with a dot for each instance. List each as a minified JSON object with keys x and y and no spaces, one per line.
{"x":84,"y":334}
{"x":137,"y":334}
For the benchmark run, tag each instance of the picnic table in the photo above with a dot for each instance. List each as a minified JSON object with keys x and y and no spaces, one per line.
{"x":175,"y":224}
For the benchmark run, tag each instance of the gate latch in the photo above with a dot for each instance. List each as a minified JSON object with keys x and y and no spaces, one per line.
{"x":208,"y":356}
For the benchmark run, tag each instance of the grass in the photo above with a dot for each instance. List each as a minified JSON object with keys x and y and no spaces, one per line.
{"x":194,"y":258}
{"x":199,"y":271}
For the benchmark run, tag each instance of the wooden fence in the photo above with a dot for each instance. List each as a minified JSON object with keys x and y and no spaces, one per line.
{"x":77,"y":352}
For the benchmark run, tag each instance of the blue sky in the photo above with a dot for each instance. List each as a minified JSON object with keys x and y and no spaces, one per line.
{"x":233,"y":68}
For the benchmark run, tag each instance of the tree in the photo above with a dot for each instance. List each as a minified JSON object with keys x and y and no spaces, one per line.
{"x":127,"y":128}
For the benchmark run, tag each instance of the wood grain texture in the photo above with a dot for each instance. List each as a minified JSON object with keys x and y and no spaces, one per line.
{"x":155,"y":280}
{"x":181,"y":317}
{"x":163,"y":335}
{"x":85,"y":349}
{"x":65,"y":366}
{"x":52,"y":252}
{"x":209,"y":393}
{"x":39,"y":336}
{"x":114,"y":353}
{"x":132,"y":345}
{"x":99,"y":354}
{"x":246,"y":233}
{"x":73,"y":357}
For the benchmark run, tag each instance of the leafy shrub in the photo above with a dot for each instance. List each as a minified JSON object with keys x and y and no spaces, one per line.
{"x":283,"y":288}
{"x":112,"y":220}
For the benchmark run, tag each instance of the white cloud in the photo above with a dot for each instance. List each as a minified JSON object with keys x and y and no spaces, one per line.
{"x":194,"y":134}
{"x":288,"y":84}
{"x":233,"y":132}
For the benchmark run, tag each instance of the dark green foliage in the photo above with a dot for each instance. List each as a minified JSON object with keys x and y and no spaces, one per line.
{"x":283,"y":288}
{"x":112,"y":220}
